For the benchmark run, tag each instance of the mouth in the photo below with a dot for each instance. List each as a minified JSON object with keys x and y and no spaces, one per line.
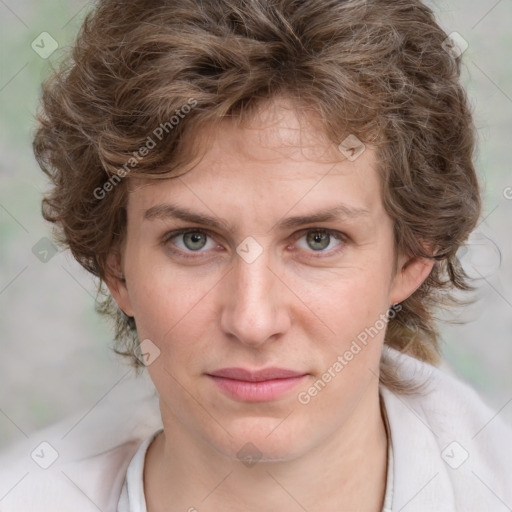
{"x":256,"y":386}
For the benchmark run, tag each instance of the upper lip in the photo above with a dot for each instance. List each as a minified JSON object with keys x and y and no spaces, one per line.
{"x":256,"y":375}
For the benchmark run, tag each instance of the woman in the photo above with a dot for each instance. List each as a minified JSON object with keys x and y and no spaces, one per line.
{"x":274,"y":193}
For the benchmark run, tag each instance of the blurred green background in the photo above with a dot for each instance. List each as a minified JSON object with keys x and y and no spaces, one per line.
{"x":57,"y":355}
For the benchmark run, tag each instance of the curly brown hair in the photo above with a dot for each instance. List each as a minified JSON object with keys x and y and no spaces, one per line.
{"x":378,"y":69}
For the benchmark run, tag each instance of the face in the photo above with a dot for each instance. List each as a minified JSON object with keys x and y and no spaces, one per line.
{"x":275,"y":251}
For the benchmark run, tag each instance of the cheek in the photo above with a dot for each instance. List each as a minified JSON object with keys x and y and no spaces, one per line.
{"x":171,"y":304}
{"x":347,"y":301}
{"x":354,"y":311}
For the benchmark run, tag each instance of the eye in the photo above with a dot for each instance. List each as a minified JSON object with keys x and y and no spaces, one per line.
{"x":191,"y":240}
{"x":319,"y":240}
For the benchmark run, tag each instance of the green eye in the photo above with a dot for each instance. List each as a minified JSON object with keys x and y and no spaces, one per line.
{"x":194,"y":240}
{"x":318,"y":240}
{"x":188,"y":241}
{"x":322,"y":241}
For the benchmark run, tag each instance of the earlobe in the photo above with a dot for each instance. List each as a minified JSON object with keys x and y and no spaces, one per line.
{"x":409,"y":277}
{"x":116,"y":283}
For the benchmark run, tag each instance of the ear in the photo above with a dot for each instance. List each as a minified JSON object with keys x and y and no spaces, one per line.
{"x":409,"y":276}
{"x":116,"y":282}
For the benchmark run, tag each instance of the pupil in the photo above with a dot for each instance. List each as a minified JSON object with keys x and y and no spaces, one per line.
{"x":318,"y":241}
{"x":194,"y":241}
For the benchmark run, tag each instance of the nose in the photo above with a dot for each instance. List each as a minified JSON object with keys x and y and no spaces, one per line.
{"x":255,"y":309}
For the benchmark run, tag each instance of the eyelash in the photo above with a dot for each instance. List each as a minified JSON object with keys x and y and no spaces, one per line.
{"x":339,"y":236}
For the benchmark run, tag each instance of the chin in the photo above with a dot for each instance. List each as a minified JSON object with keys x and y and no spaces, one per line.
{"x":262,"y":440}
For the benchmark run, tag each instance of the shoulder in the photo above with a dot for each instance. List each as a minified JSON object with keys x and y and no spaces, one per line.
{"x":447,"y":441}
{"x":91,"y":483}
{"x":79,"y":469}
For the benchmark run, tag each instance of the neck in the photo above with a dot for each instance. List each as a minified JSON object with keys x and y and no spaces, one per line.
{"x":346,"y":472}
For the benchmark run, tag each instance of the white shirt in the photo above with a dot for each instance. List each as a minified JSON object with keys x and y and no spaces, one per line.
{"x":132,"y":494}
{"x":450,"y":453}
{"x":132,"y":497}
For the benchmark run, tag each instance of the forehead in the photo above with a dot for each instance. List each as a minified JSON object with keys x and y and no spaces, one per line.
{"x":278,"y":129}
{"x":278,"y":160}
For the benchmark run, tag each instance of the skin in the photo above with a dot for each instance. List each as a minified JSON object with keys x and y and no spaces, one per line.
{"x":293,"y":307}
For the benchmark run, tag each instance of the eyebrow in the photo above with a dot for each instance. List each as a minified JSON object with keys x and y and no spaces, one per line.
{"x":170,"y":211}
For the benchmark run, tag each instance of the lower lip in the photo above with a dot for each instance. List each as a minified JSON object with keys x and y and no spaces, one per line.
{"x":256,"y":391}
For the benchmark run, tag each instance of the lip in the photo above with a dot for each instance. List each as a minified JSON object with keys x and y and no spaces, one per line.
{"x":256,"y":375}
{"x":256,"y":385}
